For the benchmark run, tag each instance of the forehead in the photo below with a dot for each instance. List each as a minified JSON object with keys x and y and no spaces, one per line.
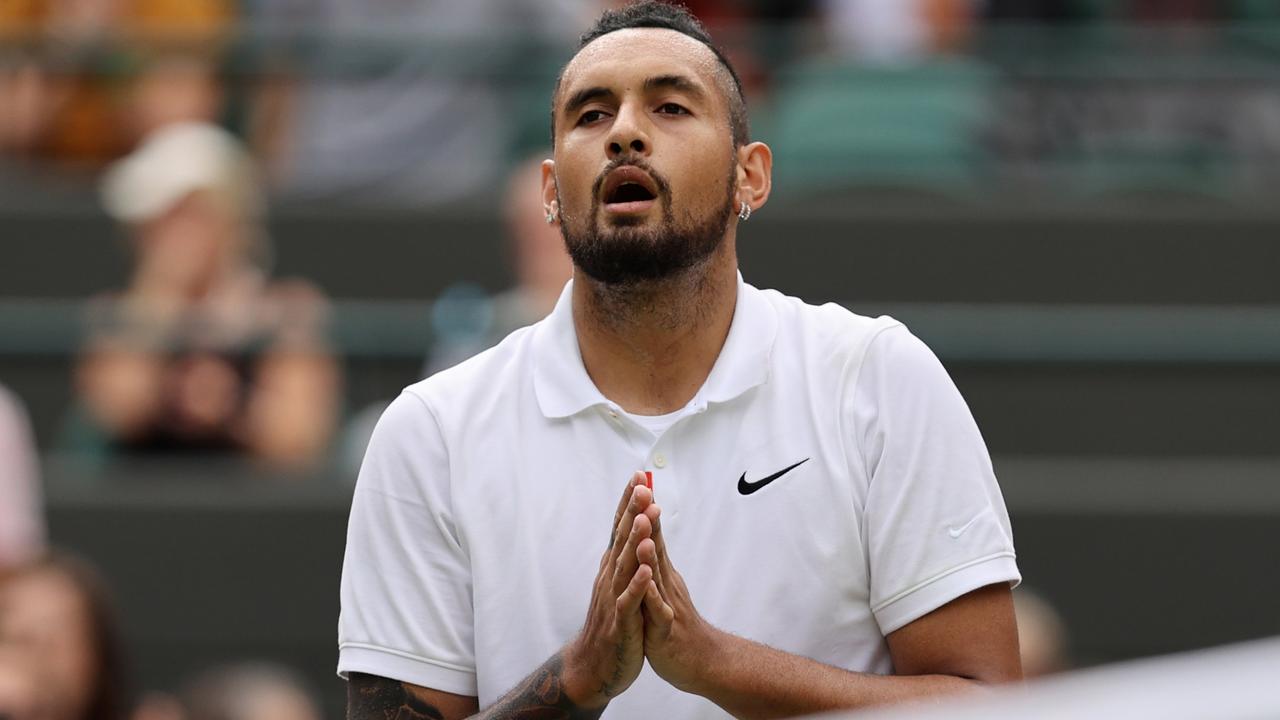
{"x":636,"y":53}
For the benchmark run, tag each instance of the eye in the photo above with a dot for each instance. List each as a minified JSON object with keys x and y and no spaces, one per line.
{"x":672,"y":109}
{"x":590,"y":116}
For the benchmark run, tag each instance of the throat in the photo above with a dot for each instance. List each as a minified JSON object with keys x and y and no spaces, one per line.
{"x":650,"y":346}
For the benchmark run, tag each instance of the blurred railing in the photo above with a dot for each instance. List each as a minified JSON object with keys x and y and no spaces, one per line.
{"x":958,"y":332}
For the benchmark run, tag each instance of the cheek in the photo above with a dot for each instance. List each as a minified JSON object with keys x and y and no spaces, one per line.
{"x":702,"y":180}
{"x":579,"y":162}
{"x":575,"y":191}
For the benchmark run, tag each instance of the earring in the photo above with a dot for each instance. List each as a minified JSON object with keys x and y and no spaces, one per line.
{"x":551,"y":212}
{"x":744,"y":211}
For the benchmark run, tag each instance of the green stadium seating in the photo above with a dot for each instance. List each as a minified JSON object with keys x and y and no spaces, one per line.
{"x":838,"y":125}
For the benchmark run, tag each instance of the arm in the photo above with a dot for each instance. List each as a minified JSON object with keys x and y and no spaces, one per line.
{"x":963,"y":645}
{"x":577,"y":682}
{"x":22,"y":531}
{"x":541,"y":695}
{"x":958,"y":648}
{"x":292,"y":405}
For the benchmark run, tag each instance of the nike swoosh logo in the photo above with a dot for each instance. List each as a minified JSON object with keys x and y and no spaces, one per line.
{"x":746,"y":488}
{"x":957,"y":532}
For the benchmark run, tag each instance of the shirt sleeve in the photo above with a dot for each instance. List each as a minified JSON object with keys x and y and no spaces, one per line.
{"x":935,"y":521}
{"x":406,"y":583}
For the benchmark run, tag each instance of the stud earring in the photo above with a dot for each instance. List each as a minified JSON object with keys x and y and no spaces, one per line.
{"x":551,"y":213}
{"x":744,"y":211}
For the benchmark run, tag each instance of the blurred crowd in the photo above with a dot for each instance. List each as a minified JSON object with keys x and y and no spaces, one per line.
{"x":64,"y":656}
{"x":191,"y":117}
{"x":333,"y":97}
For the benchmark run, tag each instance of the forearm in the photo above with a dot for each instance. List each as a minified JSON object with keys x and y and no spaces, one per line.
{"x":751,"y":681}
{"x":542,"y":694}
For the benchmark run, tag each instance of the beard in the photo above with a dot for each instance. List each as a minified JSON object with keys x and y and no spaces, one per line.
{"x":627,"y":252}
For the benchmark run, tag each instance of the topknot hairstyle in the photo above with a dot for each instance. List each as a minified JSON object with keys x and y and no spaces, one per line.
{"x":671,"y":16}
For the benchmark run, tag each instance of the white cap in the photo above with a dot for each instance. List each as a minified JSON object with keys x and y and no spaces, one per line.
{"x":175,"y":161}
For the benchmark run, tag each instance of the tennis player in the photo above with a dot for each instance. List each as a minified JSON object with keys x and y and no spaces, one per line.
{"x":822,"y":528}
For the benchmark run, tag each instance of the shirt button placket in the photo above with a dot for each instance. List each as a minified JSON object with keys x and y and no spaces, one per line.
{"x":665,"y":483}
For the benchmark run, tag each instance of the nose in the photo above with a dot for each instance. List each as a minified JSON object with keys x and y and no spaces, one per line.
{"x":628,"y":133}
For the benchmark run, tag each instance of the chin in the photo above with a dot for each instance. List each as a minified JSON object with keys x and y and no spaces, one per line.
{"x":627,"y":221}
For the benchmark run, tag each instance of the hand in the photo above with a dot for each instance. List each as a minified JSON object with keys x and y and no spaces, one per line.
{"x":608,"y":654}
{"x":679,"y":644}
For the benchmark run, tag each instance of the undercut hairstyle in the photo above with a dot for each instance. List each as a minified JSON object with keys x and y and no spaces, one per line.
{"x":670,"y":16}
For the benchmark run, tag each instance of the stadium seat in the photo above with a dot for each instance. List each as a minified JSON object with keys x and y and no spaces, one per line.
{"x":839,"y":125}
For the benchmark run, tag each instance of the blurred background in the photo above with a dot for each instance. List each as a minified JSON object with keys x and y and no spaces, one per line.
{"x":232,"y":230}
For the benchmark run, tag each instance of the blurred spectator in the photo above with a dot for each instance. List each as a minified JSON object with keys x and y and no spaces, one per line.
{"x":158,"y":706}
{"x":21,"y":519}
{"x":1042,"y":635}
{"x":755,"y":35}
{"x":897,"y":31}
{"x":202,"y":352}
{"x":249,"y":691}
{"x":83,"y":79}
{"x":1142,"y":11}
{"x":1178,"y":11}
{"x":1046,"y":11}
{"x":424,"y":121}
{"x":60,"y":651}
{"x":464,"y":320}
{"x":539,"y":262}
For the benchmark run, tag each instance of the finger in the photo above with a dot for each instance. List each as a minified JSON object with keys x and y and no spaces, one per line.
{"x":646,"y":550}
{"x":623,"y":527}
{"x":632,"y":597}
{"x":661,"y":614}
{"x":647,"y":554}
{"x":637,"y":478}
{"x":626,"y":564}
{"x":659,"y":559}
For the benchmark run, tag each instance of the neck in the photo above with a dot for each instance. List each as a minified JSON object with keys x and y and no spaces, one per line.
{"x":650,"y":346}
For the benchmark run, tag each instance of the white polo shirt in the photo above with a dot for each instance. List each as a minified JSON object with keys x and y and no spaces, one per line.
{"x":488,"y":491}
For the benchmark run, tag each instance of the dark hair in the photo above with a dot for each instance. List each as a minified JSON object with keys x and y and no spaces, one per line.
{"x":109,"y":699}
{"x":670,"y":16}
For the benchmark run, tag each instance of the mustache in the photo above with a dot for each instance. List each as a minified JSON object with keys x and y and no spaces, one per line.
{"x":664,"y":189}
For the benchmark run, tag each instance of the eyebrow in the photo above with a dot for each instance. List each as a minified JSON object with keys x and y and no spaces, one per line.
{"x":679,"y":83}
{"x":584,"y":96}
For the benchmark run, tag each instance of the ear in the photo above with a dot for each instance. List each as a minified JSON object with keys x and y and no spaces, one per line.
{"x":550,"y":205}
{"x":755,"y":174}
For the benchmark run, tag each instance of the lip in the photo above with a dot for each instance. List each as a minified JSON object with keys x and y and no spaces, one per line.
{"x":621,"y":176}
{"x":634,"y":207}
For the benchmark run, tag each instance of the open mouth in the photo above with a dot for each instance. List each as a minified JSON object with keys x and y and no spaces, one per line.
{"x":629,"y":190}
{"x":628,"y":193}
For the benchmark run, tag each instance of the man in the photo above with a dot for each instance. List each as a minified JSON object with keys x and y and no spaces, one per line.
{"x":822,"y":510}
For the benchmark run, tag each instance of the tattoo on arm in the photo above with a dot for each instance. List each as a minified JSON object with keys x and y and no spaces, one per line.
{"x":538,"y":697}
{"x":370,"y":697}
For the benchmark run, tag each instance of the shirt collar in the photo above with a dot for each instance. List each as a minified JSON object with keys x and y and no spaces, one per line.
{"x":563,"y":387}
